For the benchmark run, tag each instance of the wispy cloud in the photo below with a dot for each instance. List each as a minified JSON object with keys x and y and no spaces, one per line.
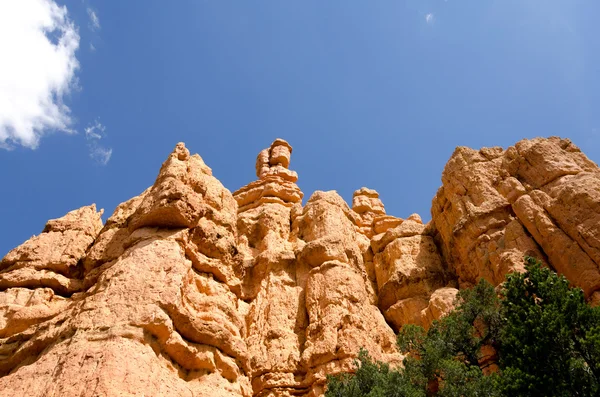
{"x":429,"y":18}
{"x":38,"y":42}
{"x":94,"y":20}
{"x":93,"y":134}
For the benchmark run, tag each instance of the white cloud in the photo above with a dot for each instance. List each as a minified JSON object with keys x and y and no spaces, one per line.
{"x":93,"y":134}
{"x":94,"y":20}
{"x":37,"y":69}
{"x":92,"y":47}
{"x":429,"y":18}
{"x":101,"y":154}
{"x":95,"y":130}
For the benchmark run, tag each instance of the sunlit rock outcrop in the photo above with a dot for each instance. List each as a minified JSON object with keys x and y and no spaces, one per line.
{"x":540,"y":197}
{"x":190,"y":290}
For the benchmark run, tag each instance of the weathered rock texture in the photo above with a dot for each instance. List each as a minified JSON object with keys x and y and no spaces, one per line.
{"x":540,"y":197}
{"x":190,"y":290}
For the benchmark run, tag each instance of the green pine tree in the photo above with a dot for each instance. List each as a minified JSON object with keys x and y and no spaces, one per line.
{"x":546,"y":336}
{"x":550,"y":341}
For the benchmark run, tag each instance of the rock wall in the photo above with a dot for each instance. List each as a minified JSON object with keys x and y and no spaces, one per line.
{"x":540,"y":197}
{"x":190,"y":290}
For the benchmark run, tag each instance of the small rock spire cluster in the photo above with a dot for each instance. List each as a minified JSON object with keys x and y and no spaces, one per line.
{"x":276,"y":182}
{"x":189,"y":289}
{"x":275,"y":161}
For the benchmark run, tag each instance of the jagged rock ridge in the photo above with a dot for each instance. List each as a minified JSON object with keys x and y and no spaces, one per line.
{"x":190,"y":290}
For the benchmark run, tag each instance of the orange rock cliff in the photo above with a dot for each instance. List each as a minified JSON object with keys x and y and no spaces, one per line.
{"x":190,"y":290}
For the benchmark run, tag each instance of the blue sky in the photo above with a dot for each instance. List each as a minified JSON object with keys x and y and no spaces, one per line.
{"x":369,"y":93}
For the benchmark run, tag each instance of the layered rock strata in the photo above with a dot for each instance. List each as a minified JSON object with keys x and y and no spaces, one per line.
{"x":190,"y":290}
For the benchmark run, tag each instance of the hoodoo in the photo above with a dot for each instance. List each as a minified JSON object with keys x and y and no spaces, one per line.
{"x":190,"y":290}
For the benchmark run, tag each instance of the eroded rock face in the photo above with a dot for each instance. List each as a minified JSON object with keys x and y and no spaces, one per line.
{"x":52,"y":259}
{"x":339,"y":302}
{"x":157,"y":312}
{"x":189,"y":289}
{"x":540,"y":197}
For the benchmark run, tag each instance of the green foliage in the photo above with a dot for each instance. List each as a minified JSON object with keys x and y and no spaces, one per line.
{"x":445,"y":360}
{"x":547,"y":338}
{"x":550,"y":338}
{"x":442,"y":361}
{"x":372,"y":379}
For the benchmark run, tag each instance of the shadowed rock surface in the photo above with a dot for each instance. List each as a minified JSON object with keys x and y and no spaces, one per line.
{"x":190,"y":290}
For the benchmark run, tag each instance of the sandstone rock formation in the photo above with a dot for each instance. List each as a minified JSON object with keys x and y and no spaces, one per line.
{"x":190,"y":290}
{"x":540,"y":197}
